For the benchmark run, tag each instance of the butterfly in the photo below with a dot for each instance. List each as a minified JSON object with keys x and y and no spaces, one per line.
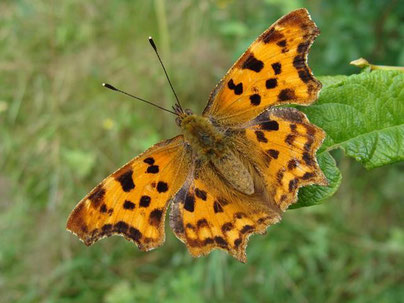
{"x":234,"y":169}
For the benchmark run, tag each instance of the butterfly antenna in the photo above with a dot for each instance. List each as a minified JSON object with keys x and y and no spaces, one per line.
{"x":109,"y":86}
{"x":165,"y":71}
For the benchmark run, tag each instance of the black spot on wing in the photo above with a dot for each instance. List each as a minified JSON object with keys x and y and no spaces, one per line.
{"x":292,"y":185}
{"x":135,"y":234}
{"x":302,"y":47}
{"x":227,"y":227}
{"x":273,"y":153}
{"x":311,"y":131}
{"x":189,"y":203}
{"x":97,"y":196}
{"x":149,"y":160}
{"x":103,"y":208}
{"x":153,"y":169}
{"x":220,"y":241}
{"x":299,"y":62}
{"x":253,"y":64}
{"x":231,"y":84}
{"x":308,"y":175}
{"x":128,"y":205}
{"x":255,"y":99}
{"x":308,"y":159}
{"x":271,"y":35}
{"x":155,"y":217}
{"x":279,"y":176}
{"x":121,"y":227}
{"x":308,"y":144}
{"x":263,"y":220}
{"x":144,"y":201}
{"x":202,"y":223}
{"x":277,"y":67}
{"x":246,"y":229}
{"x":107,"y":228}
{"x":162,"y":187}
{"x":305,"y":76}
{"x":190,"y":226}
{"x":260,"y":136}
{"x":208,"y":241}
{"x":217,"y":208}
{"x":270,"y":125}
{"x":281,"y":43}
{"x":240,"y":215}
{"x":238,"y":89}
{"x":271,"y":83}
{"x":290,"y":139}
{"x":201,"y":194}
{"x":286,"y":94}
{"x":292,"y":164}
{"x":126,"y":181}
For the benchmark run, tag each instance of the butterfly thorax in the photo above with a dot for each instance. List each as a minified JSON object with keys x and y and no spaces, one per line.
{"x":210,"y":144}
{"x":206,"y":140}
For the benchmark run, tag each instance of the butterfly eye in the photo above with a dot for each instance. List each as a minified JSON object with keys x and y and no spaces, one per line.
{"x":188,"y":111}
{"x":178,"y":121}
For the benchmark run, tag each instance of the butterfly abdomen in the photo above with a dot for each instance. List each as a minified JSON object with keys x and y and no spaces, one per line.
{"x":234,"y":171}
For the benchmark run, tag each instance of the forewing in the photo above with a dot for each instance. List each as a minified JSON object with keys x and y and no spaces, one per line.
{"x":272,"y":71}
{"x":132,"y":201}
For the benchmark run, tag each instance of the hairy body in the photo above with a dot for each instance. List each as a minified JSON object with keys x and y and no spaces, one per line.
{"x":211,"y":143}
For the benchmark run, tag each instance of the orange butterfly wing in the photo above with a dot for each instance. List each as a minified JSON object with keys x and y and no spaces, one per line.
{"x":208,"y":214}
{"x":287,"y":143}
{"x":273,"y":71}
{"x":132,"y":201}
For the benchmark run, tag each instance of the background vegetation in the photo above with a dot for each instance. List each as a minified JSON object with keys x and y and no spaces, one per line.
{"x":61,"y":133}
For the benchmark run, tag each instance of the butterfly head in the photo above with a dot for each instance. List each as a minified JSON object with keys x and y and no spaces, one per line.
{"x":182,"y":114}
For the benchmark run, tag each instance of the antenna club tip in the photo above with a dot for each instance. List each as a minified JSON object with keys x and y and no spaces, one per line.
{"x":109,"y":86}
{"x":152,"y":43}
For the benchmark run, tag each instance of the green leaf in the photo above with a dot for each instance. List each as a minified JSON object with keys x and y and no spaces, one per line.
{"x":316,"y":194}
{"x":331,"y":80}
{"x":364,"y":115}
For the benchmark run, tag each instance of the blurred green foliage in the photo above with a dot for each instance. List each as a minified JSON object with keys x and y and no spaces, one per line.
{"x":61,"y":133}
